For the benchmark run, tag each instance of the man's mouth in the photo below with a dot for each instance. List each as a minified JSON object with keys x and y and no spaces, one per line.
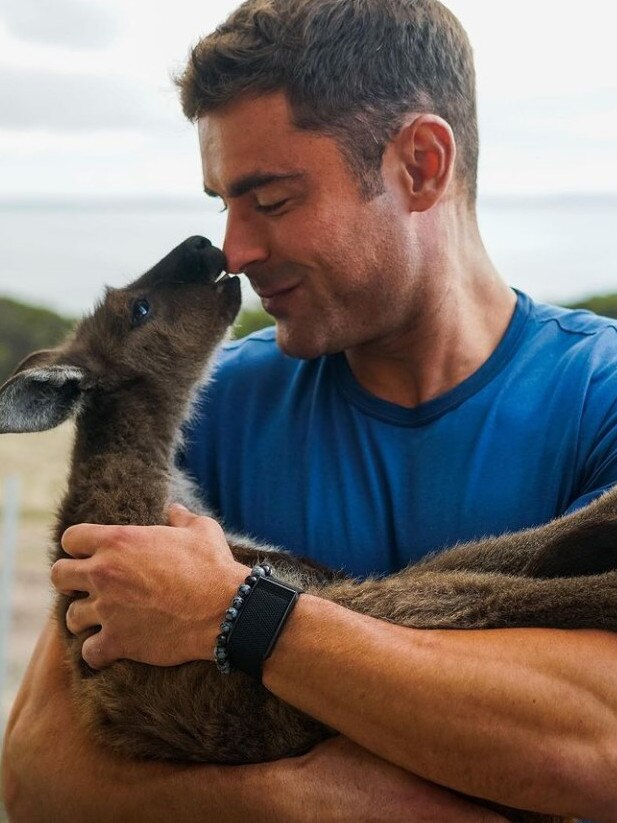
{"x":267,"y":294}
{"x":275,"y":299}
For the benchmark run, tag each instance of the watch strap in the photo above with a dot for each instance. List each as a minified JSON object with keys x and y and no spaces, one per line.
{"x":260,"y":623}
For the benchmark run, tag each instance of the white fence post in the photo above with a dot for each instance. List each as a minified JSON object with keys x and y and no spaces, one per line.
{"x":9,"y":550}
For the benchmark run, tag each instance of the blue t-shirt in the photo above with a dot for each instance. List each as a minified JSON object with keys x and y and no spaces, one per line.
{"x":297,"y":453}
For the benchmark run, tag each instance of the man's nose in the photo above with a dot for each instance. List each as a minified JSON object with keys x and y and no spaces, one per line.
{"x":244,"y":245}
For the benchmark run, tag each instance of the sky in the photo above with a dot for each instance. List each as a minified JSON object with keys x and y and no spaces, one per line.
{"x":88,"y":108}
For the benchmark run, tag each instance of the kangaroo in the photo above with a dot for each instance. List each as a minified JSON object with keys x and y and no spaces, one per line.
{"x":129,"y":376}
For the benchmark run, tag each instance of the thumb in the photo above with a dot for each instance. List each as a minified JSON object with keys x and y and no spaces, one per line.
{"x":179,"y":515}
{"x":95,"y":652}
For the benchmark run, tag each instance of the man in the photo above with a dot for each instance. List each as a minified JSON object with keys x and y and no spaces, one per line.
{"x":413,"y":400}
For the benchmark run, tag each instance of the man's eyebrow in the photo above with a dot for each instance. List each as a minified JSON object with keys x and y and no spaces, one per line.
{"x":254,"y":181}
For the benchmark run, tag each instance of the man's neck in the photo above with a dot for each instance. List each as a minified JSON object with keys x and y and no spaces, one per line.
{"x":457,"y":327}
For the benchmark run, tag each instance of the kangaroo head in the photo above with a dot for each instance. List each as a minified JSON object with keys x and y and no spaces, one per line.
{"x":157,"y":334}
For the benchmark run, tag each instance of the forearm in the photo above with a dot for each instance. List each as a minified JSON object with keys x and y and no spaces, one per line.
{"x":53,"y":770}
{"x":534,"y":712}
{"x":100,"y":791}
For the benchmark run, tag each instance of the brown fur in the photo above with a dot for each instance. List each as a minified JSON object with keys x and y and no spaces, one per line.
{"x":136,"y":388}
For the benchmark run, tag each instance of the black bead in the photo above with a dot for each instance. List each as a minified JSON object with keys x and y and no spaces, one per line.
{"x":257,"y":571}
{"x":244,"y":589}
{"x":237,"y":602}
{"x":267,"y":569}
{"x":225,"y":627}
{"x":231,"y":613}
{"x":250,"y":580}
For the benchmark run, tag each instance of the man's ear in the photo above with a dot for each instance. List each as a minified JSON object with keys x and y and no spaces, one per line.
{"x":41,"y":394}
{"x":424,"y":151}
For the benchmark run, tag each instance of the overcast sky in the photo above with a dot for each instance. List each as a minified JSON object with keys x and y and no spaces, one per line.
{"x":87,"y":106}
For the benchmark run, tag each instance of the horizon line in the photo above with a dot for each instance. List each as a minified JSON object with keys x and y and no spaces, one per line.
{"x":162,"y":199}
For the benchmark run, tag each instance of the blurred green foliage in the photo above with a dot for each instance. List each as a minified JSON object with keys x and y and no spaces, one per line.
{"x":605,"y":304}
{"x":24,"y":329}
{"x":251,"y":320}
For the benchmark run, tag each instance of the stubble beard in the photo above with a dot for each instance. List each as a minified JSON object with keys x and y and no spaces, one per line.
{"x":308,"y":337}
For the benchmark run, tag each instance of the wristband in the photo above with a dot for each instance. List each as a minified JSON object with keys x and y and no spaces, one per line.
{"x":254,"y":622}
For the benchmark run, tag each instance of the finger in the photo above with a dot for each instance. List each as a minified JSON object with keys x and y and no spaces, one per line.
{"x":84,"y":539}
{"x":178,"y":515}
{"x":81,"y":615}
{"x":98,"y":651}
{"x":68,"y":576}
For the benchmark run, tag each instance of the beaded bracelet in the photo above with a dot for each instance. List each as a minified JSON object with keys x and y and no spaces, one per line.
{"x":221,"y":657}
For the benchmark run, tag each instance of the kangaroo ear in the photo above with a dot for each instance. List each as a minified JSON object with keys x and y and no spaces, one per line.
{"x":36,"y":358}
{"x":40,"y":397}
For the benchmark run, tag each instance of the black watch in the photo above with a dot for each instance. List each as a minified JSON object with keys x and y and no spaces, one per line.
{"x":259,"y":624}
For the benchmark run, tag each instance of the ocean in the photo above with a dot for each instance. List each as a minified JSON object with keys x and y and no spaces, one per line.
{"x":60,"y":254}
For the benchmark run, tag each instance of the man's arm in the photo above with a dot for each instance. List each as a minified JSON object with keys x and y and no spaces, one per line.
{"x":527,"y":717}
{"x":53,"y":771}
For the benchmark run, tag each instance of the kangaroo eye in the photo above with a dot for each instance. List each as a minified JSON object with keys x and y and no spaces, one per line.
{"x":141,"y":312}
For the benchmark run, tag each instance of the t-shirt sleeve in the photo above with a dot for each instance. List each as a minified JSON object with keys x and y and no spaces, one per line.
{"x":598,"y":432}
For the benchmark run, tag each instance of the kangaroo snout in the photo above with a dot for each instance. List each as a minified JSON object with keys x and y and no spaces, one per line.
{"x":195,"y":260}
{"x":200,"y":260}
{"x":204,"y":252}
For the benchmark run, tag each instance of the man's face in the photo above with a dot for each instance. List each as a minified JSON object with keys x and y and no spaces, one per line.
{"x":332,"y":269}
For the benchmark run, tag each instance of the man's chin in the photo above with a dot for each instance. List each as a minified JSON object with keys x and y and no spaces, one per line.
{"x":300,"y":345}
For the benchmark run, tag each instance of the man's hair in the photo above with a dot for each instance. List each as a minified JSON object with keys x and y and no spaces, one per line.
{"x":350,"y":69}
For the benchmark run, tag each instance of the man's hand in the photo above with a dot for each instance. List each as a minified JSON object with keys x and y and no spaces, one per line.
{"x":158,"y":593}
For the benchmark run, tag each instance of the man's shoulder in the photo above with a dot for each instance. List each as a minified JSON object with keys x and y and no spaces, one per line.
{"x":258,"y":350}
{"x":578,"y":322}
{"x":562,"y":338}
{"x":581,"y":371}
{"x":261,"y":340}
{"x":255,"y":366}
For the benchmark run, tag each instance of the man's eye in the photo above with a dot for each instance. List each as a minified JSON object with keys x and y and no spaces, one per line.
{"x":271,"y":207}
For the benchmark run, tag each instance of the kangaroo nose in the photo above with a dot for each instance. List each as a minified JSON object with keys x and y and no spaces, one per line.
{"x":194,"y":261}
{"x":197,"y":242}
{"x":202,"y":259}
